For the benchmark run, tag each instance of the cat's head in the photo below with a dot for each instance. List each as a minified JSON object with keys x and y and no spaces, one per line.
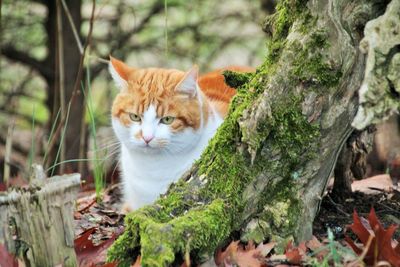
{"x":156,"y":110}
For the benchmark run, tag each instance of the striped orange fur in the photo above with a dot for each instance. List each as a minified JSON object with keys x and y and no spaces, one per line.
{"x":157,"y":86}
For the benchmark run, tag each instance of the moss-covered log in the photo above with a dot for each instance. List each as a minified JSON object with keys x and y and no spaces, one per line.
{"x":263,"y":174}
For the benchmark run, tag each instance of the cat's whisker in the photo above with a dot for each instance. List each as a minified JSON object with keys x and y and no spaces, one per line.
{"x":109,"y":144}
{"x":106,"y":148}
{"x":116,"y":167}
{"x":112,"y":154}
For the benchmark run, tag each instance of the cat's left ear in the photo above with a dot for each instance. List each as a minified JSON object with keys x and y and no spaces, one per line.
{"x":188,"y":85}
{"x":120,"y":72}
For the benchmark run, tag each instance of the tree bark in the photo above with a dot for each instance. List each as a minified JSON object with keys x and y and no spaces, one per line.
{"x":71,"y":55}
{"x":352,"y":162}
{"x":264,"y":173}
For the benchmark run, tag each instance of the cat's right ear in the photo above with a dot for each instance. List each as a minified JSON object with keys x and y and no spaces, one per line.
{"x":119,"y":71}
{"x":188,"y":85}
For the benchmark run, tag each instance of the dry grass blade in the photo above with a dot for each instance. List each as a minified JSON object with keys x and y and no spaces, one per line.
{"x":7,"y":154}
{"x":71,"y":22}
{"x":61,"y":76}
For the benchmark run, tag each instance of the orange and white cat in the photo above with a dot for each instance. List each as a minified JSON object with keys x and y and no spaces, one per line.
{"x":163,"y":119}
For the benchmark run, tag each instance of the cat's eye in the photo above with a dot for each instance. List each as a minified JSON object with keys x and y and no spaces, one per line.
{"x":167,"y":120}
{"x":134,"y":117}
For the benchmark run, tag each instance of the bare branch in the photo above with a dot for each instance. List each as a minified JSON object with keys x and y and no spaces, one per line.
{"x":157,"y":7}
{"x":17,"y":90}
{"x":24,"y":58}
{"x":73,"y":27}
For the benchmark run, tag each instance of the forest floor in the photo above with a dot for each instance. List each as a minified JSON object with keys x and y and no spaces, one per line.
{"x":100,"y":223}
{"x":336,"y":214}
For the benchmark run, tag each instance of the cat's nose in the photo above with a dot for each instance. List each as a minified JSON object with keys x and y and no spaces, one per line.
{"x":147,"y":139}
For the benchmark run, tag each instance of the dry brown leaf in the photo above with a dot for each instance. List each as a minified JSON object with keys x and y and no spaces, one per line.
{"x":295,"y":255}
{"x":89,"y":254}
{"x":382,"y":182}
{"x":377,"y":244}
{"x":317,"y":247}
{"x":265,"y":249}
{"x":237,"y":255}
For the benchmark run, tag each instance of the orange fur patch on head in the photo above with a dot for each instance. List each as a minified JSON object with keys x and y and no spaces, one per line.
{"x":157,"y":87}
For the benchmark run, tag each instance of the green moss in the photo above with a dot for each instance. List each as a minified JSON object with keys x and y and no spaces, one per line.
{"x":287,"y":12}
{"x":283,"y":207}
{"x":291,"y":133}
{"x":199,"y":230}
{"x":279,"y":23}
{"x":228,"y":172}
{"x":257,"y":230}
{"x":311,"y":64}
{"x":236,"y":79}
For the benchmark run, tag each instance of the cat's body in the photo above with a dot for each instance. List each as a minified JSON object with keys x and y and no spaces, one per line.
{"x":164,"y":120}
{"x":146,"y":176}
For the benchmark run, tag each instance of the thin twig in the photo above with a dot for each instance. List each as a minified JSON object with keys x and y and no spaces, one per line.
{"x":82,"y":139}
{"x":337,"y":206}
{"x":62,"y":136}
{"x":32,"y":151}
{"x":61,"y":79}
{"x":80,"y":69}
{"x":389,"y":208}
{"x":360,"y":259}
{"x":77,"y":82}
{"x":71,"y":22}
{"x":7,"y":156}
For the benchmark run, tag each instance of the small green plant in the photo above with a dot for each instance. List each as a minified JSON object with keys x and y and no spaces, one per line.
{"x":52,"y":168}
{"x":331,"y":253}
{"x":53,"y":127}
{"x":98,"y":170}
{"x":32,"y":150}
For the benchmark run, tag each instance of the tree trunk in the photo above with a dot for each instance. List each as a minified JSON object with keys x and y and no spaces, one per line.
{"x":264,"y":173}
{"x":71,"y":56}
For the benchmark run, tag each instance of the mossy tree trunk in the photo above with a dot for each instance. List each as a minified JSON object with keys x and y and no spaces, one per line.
{"x":265,"y":171}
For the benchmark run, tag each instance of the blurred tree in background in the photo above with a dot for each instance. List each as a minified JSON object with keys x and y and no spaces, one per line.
{"x":53,"y":56}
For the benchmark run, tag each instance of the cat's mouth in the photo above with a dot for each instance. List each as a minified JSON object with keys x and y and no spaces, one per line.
{"x":151,"y":147}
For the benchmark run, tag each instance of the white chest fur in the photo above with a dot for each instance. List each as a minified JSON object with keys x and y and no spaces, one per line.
{"x":147,"y":175}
